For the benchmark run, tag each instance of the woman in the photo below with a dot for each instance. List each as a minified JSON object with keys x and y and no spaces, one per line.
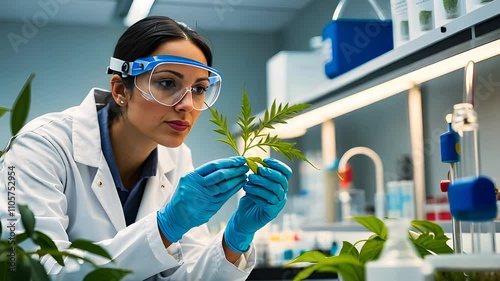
{"x":115,"y":170}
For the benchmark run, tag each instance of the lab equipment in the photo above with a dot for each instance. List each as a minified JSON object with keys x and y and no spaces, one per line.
{"x":379,"y":175}
{"x":420,"y":17}
{"x":291,"y":74}
{"x":349,"y":200}
{"x":399,"y":259}
{"x":350,"y":42}
{"x":472,"y":196}
{"x":265,"y":197}
{"x":446,"y":11}
{"x":471,"y":5}
{"x":200,"y":194}
{"x":450,"y":141}
{"x":399,"y":14}
{"x":165,"y":85}
{"x":401,"y":192}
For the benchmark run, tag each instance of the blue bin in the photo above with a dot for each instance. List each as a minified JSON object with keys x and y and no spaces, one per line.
{"x":354,"y":42}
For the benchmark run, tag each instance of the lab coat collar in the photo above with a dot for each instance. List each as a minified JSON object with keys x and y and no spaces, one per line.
{"x":86,"y":135}
{"x":157,"y":193}
{"x":87,"y":150}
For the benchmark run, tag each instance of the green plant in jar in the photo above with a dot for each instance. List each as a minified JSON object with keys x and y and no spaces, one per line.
{"x":451,"y":8}
{"x":425,"y":18}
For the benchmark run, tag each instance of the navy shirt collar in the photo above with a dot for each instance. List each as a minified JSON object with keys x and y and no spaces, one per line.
{"x":149,"y":166}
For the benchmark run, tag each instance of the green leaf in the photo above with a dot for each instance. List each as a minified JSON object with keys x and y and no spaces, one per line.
{"x":23,"y":267}
{"x":373,"y":224}
{"x":428,"y":226}
{"x":350,"y":272}
{"x":252,"y":165}
{"x":45,"y":242}
{"x":221,"y":122}
{"x":5,"y":274}
{"x":309,"y":256}
{"x":3,"y":110}
{"x":429,"y":242}
{"x":258,"y":160}
{"x":347,"y":266}
{"x":21,"y":107}
{"x":306,"y":272}
{"x":91,"y":248}
{"x":349,"y":249}
{"x":21,"y":237}
{"x":28,"y":219}
{"x":371,"y":250}
{"x":38,"y":271}
{"x":4,"y":248}
{"x":107,"y":274}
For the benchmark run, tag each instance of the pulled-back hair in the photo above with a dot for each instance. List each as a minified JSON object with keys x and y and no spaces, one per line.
{"x":144,"y":37}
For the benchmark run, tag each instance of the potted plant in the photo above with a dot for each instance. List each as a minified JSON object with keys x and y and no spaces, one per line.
{"x":425,"y":18}
{"x":451,"y":9}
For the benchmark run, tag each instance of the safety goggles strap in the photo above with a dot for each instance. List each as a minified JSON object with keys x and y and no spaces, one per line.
{"x":119,"y":65}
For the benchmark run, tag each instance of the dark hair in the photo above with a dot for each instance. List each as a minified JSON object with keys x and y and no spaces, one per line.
{"x":144,"y":37}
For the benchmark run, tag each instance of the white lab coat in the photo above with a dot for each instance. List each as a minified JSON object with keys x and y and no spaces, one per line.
{"x":62,"y":175}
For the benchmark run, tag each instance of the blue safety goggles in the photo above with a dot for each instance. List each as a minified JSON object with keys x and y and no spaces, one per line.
{"x":165,"y":88}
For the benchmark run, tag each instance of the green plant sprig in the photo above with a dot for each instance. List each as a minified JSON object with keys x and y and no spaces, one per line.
{"x":258,"y":134}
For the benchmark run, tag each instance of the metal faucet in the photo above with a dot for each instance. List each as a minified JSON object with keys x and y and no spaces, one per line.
{"x":379,"y":175}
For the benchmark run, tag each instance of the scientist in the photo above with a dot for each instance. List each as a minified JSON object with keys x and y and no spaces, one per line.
{"x":115,"y":169}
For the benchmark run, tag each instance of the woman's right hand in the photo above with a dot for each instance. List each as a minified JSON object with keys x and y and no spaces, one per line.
{"x":200,"y":194}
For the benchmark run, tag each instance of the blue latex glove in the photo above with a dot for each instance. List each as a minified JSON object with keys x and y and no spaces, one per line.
{"x":265,"y":197}
{"x":200,"y":194}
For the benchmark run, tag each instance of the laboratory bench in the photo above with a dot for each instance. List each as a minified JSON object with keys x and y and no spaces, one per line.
{"x":279,"y":273}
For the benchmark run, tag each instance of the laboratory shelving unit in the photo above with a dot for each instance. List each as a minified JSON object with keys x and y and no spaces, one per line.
{"x":467,"y":32}
{"x":477,"y":28}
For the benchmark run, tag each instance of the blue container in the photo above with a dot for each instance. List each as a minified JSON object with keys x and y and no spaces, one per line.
{"x":354,"y":42}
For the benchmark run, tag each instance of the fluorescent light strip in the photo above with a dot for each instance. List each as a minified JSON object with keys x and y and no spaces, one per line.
{"x":138,"y":10}
{"x":387,"y":89}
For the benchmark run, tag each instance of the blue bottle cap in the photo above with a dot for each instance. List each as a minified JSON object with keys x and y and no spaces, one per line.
{"x":450,"y":151}
{"x":473,"y":199}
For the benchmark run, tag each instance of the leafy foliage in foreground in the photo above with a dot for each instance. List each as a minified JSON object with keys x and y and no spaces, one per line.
{"x":257,"y":133}
{"x":15,"y":262}
{"x":20,"y":265}
{"x":429,"y":238}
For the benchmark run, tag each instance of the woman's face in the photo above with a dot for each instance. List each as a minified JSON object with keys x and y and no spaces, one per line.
{"x":168,"y":125}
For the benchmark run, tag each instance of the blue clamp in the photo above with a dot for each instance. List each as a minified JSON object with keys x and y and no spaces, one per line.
{"x":473,"y":199}
{"x":450,"y":151}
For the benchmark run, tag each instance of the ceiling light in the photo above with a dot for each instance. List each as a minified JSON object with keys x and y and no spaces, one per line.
{"x":138,"y":10}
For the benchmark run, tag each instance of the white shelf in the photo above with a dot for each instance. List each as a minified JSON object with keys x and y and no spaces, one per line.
{"x":356,"y":227}
{"x":472,"y":30}
{"x":415,"y":54}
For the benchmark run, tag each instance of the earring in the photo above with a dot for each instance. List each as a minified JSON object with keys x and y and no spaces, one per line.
{"x":121,"y":102}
